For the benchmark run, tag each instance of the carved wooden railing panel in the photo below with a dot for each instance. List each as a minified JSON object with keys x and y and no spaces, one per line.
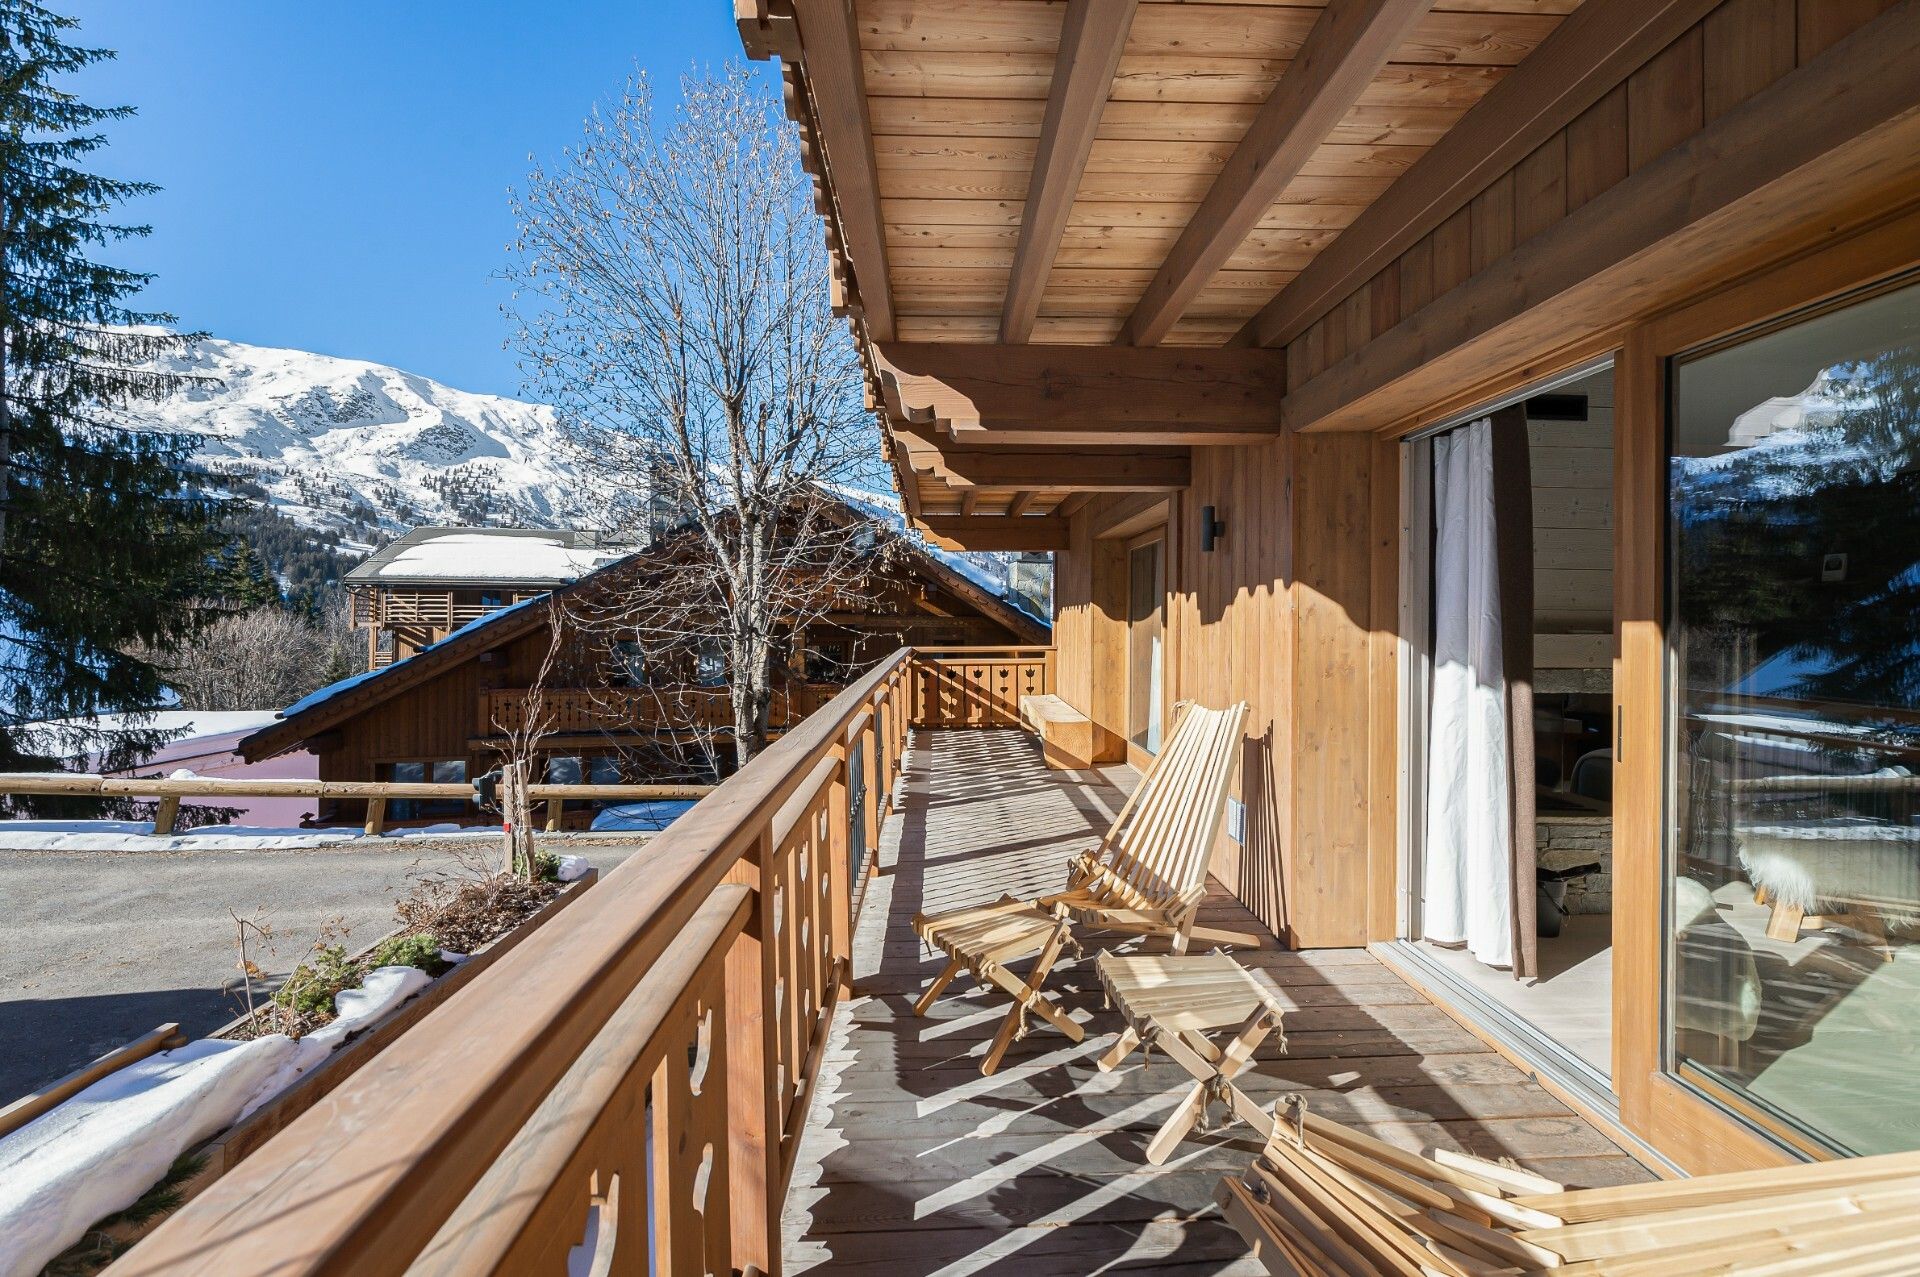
{"x":978,"y":686}
{"x":647,"y":1063}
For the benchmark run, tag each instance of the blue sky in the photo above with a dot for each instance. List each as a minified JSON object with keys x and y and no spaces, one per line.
{"x":336,"y":174}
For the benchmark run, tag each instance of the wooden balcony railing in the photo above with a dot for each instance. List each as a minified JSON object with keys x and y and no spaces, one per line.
{"x":570,"y":709}
{"x":977,"y":686}
{"x":644,"y":1068}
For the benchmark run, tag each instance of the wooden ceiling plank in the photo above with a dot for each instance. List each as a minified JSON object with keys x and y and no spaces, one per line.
{"x":1091,"y":39}
{"x":1587,"y":55}
{"x":837,"y":86}
{"x":1346,"y":49}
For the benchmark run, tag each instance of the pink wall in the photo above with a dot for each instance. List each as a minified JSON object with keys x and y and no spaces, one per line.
{"x":214,"y":756}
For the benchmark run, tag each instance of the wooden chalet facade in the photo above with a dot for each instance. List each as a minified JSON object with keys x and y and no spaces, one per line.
{"x":1198,"y":296}
{"x":446,"y":711}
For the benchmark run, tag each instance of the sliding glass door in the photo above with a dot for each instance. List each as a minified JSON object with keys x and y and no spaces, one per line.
{"x":1793,"y":890}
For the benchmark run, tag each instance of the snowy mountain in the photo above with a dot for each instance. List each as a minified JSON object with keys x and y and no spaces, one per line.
{"x":363,"y":449}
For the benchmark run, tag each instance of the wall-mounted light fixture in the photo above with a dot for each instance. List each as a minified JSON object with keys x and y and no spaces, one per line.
{"x":1211,"y":529}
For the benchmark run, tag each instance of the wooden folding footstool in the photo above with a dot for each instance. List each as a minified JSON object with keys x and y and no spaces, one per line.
{"x":1170,"y":1002}
{"x":984,"y":940}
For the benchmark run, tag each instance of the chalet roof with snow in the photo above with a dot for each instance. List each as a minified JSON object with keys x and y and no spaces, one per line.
{"x":322,"y":710}
{"x":536,"y":558}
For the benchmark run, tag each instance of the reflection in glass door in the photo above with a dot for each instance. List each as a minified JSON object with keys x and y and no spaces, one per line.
{"x":1794,"y":896}
{"x":1146,"y":639}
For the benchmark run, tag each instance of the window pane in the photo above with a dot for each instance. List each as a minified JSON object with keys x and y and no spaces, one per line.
{"x":410,"y":773}
{"x":563,"y":771}
{"x":1795,"y":544}
{"x":450,"y":772}
{"x":603,"y":769}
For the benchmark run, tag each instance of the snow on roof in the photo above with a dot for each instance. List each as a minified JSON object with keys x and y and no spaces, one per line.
{"x":546,"y":557}
{"x":331,"y":690}
{"x":977,"y":568}
{"x":72,"y":737}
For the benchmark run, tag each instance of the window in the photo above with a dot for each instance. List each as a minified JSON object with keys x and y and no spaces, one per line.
{"x":564,"y":771}
{"x":448,"y":771}
{"x":827,"y":663}
{"x":492,"y":599}
{"x":603,"y":769}
{"x":710,"y":667}
{"x":630,"y":663}
{"x":1794,"y":578}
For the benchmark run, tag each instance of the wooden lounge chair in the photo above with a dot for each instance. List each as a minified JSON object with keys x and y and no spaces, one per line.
{"x":1147,"y":877}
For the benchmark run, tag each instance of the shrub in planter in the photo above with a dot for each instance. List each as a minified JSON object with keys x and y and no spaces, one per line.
{"x":421,"y":949}
{"x":309,"y":991}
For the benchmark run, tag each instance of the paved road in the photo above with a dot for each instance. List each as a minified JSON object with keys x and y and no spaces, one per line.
{"x":96,"y":948}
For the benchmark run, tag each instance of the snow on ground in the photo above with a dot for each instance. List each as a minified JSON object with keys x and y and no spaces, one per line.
{"x":99,"y":1151}
{"x":137,"y":835}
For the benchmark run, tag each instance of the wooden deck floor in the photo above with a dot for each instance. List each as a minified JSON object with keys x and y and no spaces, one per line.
{"x":913,"y":1163}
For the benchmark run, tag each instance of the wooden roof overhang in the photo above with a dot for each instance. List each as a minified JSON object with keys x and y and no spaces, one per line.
{"x":1079,"y":238}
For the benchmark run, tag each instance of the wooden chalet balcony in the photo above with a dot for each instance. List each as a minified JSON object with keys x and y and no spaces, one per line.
{"x":435,"y":609}
{"x":629,"y":709}
{"x":717,"y":1045}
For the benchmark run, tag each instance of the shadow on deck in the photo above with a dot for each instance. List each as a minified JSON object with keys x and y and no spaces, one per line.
{"x":913,"y":1163}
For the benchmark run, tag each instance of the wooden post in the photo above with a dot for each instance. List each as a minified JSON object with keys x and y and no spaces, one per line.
{"x":840,"y":871}
{"x":870,"y":761}
{"x":517,"y":813}
{"x":556,"y":811}
{"x":376,"y":816}
{"x":165,"y":816}
{"x":753,"y":1116}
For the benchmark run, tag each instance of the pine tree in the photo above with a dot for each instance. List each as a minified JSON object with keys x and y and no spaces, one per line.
{"x":104,"y":546}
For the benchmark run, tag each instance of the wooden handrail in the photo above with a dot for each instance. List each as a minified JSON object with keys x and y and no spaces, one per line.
{"x":364,"y":1181}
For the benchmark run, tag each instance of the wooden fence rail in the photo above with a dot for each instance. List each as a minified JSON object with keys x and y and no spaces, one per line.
{"x":652,"y":1058}
{"x":170,"y":791}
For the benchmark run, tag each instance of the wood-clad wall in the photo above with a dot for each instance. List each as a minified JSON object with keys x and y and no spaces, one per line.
{"x":1740,"y":48}
{"x":1242,"y":623}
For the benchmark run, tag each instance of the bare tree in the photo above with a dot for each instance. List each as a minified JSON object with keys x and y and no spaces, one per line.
{"x":671,"y":299}
{"x":262,"y":659}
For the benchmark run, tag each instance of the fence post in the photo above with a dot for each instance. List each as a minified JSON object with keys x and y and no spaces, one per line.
{"x":556,"y":811}
{"x":166,"y":814}
{"x":376,"y":817}
{"x":753,"y":1118}
{"x":870,"y":762}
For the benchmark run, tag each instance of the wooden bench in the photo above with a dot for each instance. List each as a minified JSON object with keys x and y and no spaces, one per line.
{"x":1069,"y":740}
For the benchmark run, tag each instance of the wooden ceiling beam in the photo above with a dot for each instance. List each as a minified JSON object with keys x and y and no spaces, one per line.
{"x":1093,"y":389}
{"x":1346,"y":49}
{"x":837,"y":84}
{"x":1091,"y":40}
{"x":1596,"y":48}
{"x":1021,"y":503}
{"x":1132,"y":470}
{"x":997,"y":533}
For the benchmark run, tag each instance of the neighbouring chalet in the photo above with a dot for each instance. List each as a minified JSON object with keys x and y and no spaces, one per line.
{"x":415,"y":591}
{"x":445,"y":708}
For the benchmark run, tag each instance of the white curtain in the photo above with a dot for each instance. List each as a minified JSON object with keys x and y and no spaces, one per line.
{"x":1468,"y":877}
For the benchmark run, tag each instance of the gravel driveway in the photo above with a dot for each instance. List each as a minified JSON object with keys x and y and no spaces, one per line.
{"x":99,"y":947}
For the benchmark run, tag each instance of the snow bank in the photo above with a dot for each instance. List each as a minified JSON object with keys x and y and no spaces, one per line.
{"x":98,"y":1152}
{"x":136,"y":835}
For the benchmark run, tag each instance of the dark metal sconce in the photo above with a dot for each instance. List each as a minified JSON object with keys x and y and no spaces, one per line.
{"x":1211,"y":529}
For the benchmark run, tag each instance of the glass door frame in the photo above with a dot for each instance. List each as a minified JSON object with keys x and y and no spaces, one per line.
{"x":1702,"y":1126}
{"x":1137,"y":754}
